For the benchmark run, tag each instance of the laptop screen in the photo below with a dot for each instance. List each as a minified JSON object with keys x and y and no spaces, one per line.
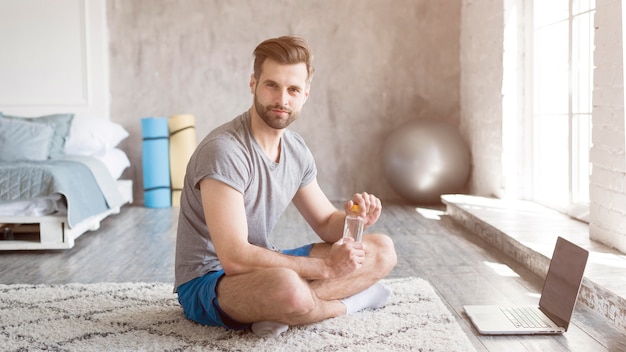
{"x":562,"y":283}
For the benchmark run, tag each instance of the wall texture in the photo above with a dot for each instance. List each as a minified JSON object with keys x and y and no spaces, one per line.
{"x":482,"y":46}
{"x":608,"y":179}
{"x":379,"y":64}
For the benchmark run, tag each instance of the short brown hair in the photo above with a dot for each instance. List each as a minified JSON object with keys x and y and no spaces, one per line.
{"x":286,"y":50}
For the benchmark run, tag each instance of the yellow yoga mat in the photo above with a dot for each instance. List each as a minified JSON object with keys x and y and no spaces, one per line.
{"x":182,"y":144}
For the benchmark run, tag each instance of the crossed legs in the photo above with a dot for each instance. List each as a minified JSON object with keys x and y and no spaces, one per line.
{"x":281,"y":296}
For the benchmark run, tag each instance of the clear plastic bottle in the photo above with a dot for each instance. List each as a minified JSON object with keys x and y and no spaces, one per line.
{"x":353,"y":226}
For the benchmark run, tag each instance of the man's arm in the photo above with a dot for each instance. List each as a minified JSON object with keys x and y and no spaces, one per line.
{"x":227,"y":223}
{"x":325,"y":219}
{"x":319,"y":212}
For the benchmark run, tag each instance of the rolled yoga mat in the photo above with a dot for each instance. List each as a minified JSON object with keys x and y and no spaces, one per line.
{"x":182,"y":144}
{"x":155,"y":162}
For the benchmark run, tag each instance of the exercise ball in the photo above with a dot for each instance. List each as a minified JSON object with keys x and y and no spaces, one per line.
{"x":424,"y":159}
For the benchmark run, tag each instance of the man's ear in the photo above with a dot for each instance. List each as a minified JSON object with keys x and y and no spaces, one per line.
{"x":252,"y":83}
{"x":306,"y":95}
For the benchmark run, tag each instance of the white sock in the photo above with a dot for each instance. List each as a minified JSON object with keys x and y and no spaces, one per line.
{"x":375,"y":296}
{"x":268,"y":328}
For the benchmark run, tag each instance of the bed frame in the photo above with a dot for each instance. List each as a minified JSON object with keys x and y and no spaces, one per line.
{"x":52,"y":231}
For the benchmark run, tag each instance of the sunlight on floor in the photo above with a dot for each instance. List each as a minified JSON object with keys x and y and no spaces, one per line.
{"x":607,"y":259}
{"x":431,"y":214}
{"x":501,"y":269}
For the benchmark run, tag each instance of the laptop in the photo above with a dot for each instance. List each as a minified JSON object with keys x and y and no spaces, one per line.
{"x":556,"y":305}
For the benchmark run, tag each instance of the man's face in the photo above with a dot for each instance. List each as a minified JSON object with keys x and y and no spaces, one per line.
{"x":280,"y":93}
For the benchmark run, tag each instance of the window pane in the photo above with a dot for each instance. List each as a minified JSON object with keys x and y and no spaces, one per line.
{"x":551,"y":173}
{"x":563,"y":43}
{"x":551,"y":69}
{"x":550,"y":11}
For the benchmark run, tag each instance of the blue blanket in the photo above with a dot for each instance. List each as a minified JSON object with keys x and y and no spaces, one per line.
{"x":87,"y":186}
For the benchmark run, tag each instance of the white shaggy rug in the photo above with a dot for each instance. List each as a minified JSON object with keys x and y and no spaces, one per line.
{"x":147,"y":317}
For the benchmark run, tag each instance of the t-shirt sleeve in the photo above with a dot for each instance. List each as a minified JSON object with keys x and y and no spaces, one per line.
{"x":222,"y":160}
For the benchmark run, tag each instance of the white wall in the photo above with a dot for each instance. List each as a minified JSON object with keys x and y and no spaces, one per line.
{"x":54,"y":58}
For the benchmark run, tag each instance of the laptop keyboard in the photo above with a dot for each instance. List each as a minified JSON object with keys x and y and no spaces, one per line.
{"x":526,"y":317}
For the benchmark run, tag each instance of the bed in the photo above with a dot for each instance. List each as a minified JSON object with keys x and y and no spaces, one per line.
{"x":59,"y":178}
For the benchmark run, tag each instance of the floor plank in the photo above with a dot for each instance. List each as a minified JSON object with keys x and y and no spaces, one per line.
{"x":138,"y":245}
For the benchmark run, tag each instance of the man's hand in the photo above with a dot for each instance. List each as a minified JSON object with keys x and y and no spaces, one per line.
{"x":345,"y":257}
{"x":371,"y":207}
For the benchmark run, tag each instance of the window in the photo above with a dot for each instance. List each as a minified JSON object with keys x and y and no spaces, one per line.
{"x":562,"y":84}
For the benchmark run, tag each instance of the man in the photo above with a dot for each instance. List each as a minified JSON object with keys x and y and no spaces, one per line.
{"x":238,"y":182}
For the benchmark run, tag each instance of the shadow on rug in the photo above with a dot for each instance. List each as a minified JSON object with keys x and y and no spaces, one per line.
{"x":140,"y":317}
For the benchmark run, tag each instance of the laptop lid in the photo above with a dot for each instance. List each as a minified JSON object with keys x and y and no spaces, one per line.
{"x":563,"y":281}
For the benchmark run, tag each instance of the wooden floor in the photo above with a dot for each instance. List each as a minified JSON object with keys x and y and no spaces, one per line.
{"x":138,"y":245}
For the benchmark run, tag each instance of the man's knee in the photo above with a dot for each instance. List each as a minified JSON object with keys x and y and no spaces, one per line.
{"x":293,"y":294}
{"x":385,"y":252}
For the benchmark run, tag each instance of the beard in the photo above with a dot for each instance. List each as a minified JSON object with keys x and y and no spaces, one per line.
{"x":271,"y":119}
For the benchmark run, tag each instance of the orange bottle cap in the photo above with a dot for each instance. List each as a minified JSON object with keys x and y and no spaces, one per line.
{"x":355,"y":209}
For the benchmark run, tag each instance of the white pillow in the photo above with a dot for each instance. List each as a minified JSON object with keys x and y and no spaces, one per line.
{"x":115,"y":160}
{"x":89,"y":136}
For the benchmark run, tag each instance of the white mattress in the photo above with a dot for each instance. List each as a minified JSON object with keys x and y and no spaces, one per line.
{"x":114,"y":159}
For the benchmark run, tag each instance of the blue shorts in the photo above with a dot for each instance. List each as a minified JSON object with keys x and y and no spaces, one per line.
{"x":198,"y":297}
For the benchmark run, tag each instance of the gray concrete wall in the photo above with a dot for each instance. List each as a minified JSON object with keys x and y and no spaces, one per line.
{"x":481,"y":57}
{"x":379,"y":64}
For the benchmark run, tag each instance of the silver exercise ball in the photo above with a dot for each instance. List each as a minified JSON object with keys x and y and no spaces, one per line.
{"x":424,"y":159}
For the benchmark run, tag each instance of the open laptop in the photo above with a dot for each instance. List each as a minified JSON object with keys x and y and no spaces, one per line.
{"x":558,"y":298}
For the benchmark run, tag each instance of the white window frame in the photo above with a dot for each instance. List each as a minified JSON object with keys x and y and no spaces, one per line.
{"x":577,"y":210}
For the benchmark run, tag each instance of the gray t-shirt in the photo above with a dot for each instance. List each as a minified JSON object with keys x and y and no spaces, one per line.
{"x":230,"y":154}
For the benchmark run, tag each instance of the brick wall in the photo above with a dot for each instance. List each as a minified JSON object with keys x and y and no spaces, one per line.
{"x":608,"y":180}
